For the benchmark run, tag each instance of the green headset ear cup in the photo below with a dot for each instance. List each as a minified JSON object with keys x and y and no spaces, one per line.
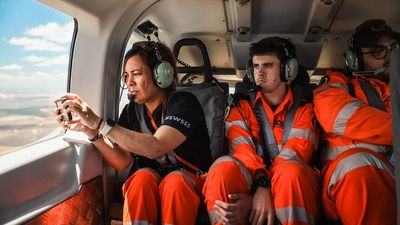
{"x":290,"y":69}
{"x":289,"y":64}
{"x":351,"y":60}
{"x":250,"y":71}
{"x":164,"y":74}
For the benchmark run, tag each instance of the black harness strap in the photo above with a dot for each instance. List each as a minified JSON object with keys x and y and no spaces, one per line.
{"x":270,"y":147}
{"x":373,"y":99}
{"x":372,"y":96}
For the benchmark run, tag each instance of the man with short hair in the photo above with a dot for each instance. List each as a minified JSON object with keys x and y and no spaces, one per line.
{"x":355,"y":114}
{"x":256,"y":184}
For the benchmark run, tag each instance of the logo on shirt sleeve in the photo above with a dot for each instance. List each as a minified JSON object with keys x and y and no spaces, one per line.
{"x":178,"y":120}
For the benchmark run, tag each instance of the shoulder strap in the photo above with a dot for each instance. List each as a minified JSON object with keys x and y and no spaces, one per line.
{"x":297,"y":92}
{"x":140,"y":111}
{"x":133,"y":116}
{"x":166,"y":159}
{"x":270,"y":148}
{"x":267,"y":135}
{"x":372,"y":96}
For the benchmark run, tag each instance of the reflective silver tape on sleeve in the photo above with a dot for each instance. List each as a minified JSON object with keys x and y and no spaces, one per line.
{"x":240,"y":123}
{"x":344,"y":115}
{"x":241,"y":140}
{"x":331,"y":153}
{"x":330,"y":86}
{"x":288,"y":153}
{"x":300,"y":133}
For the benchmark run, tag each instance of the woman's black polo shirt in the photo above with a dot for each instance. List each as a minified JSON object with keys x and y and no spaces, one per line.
{"x":184,"y":113}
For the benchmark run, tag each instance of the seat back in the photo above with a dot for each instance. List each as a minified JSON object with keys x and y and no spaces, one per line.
{"x":210,"y":94}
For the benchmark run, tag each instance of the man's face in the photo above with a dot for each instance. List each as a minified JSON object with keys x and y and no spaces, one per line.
{"x":377,"y":57}
{"x":267,"y":72}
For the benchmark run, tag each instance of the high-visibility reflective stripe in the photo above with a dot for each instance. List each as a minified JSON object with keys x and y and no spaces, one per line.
{"x":140,"y":222}
{"x":214,"y":217}
{"x":344,"y":115}
{"x":294,"y":214}
{"x":243,"y":170}
{"x":188,"y":179}
{"x":300,"y":133}
{"x":288,"y":153}
{"x":241,"y":140}
{"x":240,"y":123}
{"x":355,"y":161}
{"x":329,"y":86}
{"x":331,"y":153}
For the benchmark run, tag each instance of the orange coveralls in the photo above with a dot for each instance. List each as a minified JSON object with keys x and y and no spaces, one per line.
{"x":358,"y":180}
{"x":294,"y":182}
{"x":178,"y":196}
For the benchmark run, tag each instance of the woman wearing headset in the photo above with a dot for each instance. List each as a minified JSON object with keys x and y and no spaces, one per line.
{"x":163,"y":132}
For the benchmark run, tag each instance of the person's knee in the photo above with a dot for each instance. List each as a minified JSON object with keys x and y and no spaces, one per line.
{"x":141,"y":179}
{"x":290,"y":169}
{"x":224,"y":167}
{"x":294,"y":172}
{"x":177,"y":180}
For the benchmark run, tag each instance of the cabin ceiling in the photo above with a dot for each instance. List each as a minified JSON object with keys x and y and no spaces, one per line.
{"x":319,"y":28}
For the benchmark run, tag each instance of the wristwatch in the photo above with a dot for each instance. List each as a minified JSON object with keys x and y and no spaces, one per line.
{"x":108,"y":125}
{"x":262,"y":181}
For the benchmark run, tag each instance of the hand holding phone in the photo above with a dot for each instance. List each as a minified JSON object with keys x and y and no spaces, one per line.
{"x":66,"y":116}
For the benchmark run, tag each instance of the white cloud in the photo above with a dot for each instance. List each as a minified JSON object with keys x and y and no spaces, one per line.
{"x":47,"y":61}
{"x":4,"y":96}
{"x":53,"y":32}
{"x":48,"y":37}
{"x":11,"y":67}
{"x":36,"y":44}
{"x":31,"y":76}
{"x":34,"y":58}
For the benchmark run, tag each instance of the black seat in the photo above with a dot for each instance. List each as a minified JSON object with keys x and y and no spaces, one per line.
{"x":212,"y":97}
{"x":210,"y":93}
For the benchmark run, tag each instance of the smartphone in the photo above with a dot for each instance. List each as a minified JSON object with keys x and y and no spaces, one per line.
{"x":66,"y":116}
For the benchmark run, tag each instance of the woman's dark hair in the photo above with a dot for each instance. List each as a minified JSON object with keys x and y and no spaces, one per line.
{"x":272,"y":45}
{"x":146,"y":50}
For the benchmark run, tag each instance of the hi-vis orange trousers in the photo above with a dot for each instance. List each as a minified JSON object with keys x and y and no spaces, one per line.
{"x":359,"y":189}
{"x":177,"y":195}
{"x":294,"y":188}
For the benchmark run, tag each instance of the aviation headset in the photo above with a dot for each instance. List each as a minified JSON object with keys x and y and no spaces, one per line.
{"x":288,"y":69}
{"x":163,"y":71}
{"x":352,"y":56}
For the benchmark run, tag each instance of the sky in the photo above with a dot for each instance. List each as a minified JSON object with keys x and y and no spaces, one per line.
{"x":34,"y":48}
